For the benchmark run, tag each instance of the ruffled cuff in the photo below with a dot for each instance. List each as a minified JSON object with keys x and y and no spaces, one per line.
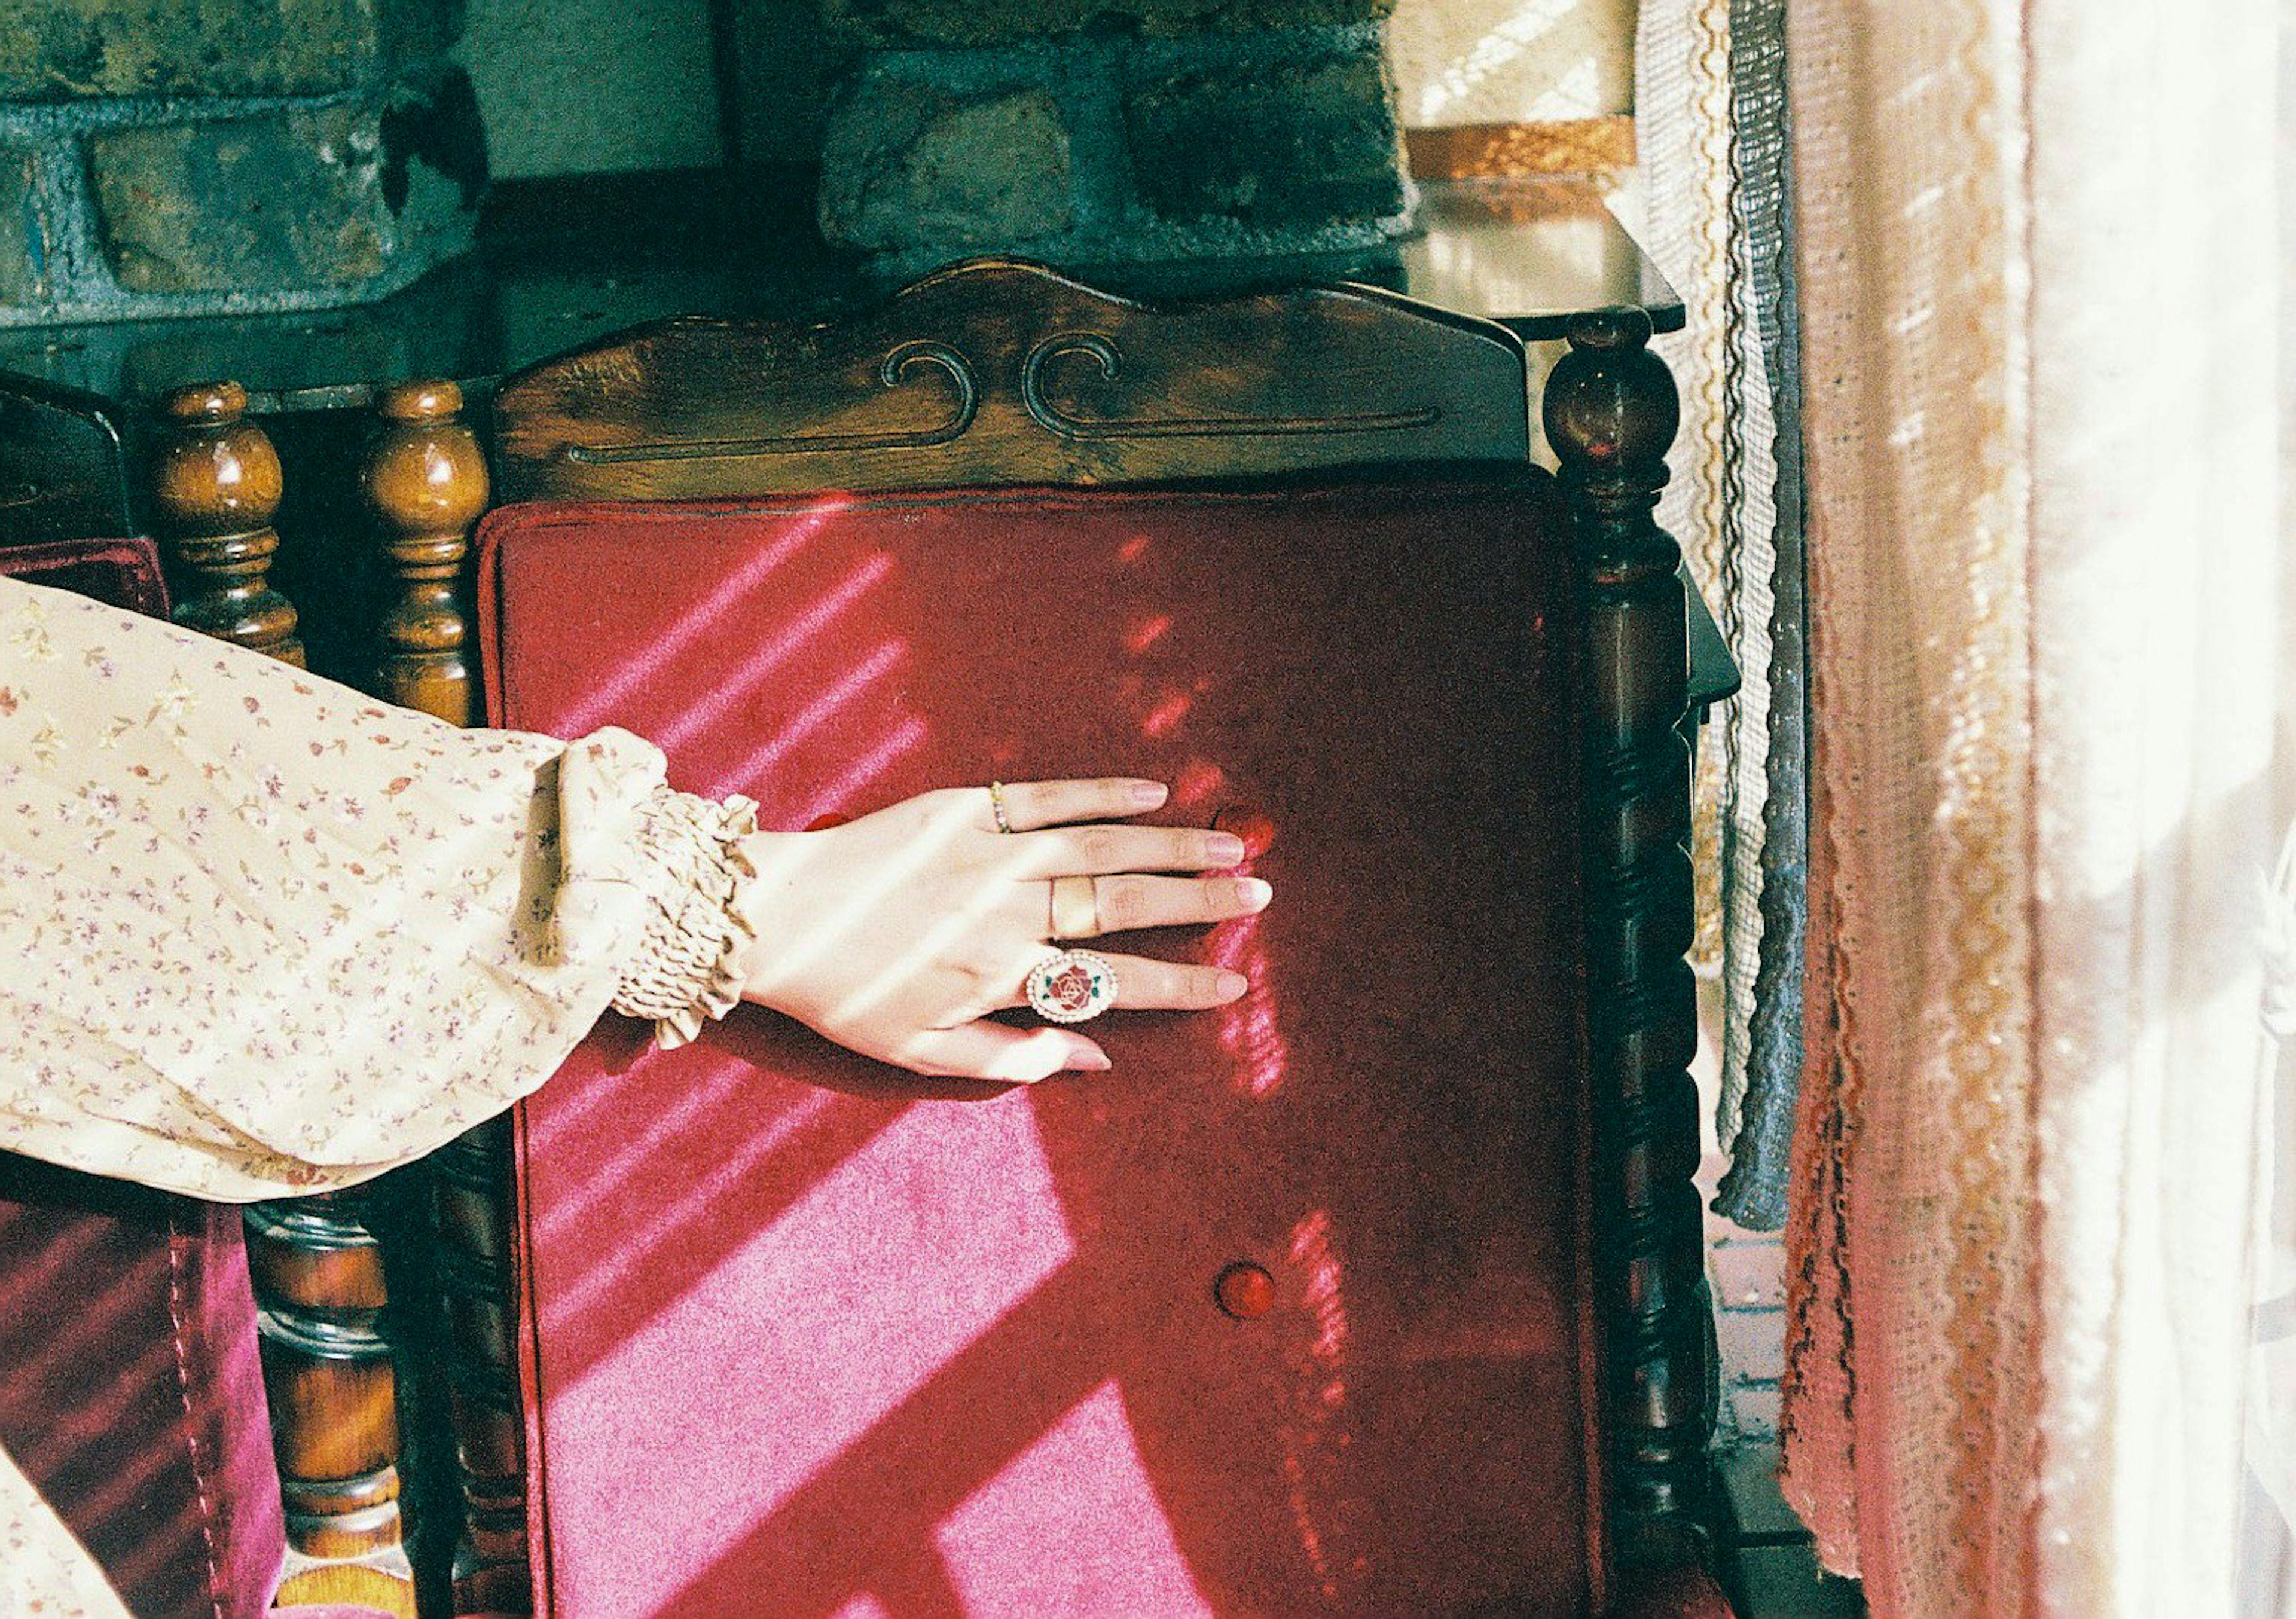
{"x":688,"y":863}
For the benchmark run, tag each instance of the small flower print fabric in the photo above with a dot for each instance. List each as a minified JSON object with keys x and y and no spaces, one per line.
{"x":264,"y":935}
{"x":269,"y":935}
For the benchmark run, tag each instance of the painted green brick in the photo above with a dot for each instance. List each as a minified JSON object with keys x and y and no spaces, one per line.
{"x":311,"y":197}
{"x":1275,"y":143}
{"x":70,"y":50}
{"x":24,"y":273}
{"x":908,"y":166}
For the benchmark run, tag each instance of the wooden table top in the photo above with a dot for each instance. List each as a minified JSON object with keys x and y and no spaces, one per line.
{"x":562,"y":262}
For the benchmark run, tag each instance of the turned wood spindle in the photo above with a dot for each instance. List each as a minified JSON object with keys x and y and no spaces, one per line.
{"x":317,"y":1271}
{"x":1611,"y":412}
{"x":425,"y":480}
{"x":215,"y":492}
{"x":471,"y":1180}
{"x":328,"y":1369}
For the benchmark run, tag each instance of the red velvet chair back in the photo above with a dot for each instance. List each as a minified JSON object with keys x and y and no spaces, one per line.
{"x":798,"y":1329}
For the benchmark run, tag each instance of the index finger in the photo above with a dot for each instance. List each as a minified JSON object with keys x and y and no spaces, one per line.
{"x":1031,"y":805}
{"x":1105,"y":851}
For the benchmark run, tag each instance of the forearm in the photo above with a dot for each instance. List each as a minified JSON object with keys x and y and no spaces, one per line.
{"x":269,"y":935}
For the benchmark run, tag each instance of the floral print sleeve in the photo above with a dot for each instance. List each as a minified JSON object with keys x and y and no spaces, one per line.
{"x":265,"y":934}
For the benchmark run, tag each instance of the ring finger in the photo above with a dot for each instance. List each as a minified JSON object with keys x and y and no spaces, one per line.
{"x":1085,"y":907}
{"x":1146,"y":984}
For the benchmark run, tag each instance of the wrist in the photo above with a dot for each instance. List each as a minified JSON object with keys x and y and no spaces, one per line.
{"x":762,"y":906}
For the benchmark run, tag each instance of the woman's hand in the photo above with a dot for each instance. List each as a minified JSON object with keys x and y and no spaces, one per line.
{"x":897,"y":934}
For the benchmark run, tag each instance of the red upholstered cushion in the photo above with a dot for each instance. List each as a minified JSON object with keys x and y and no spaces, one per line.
{"x":124,"y":572}
{"x":130,"y":1389}
{"x":809,"y":1337}
{"x":130,"y":1392}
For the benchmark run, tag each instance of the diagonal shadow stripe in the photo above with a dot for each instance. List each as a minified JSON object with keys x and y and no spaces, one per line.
{"x":610,"y":695}
{"x":638,"y":1274}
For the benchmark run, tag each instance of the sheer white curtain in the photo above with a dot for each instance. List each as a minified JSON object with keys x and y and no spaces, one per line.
{"x":2042,"y":279}
{"x":2039,"y":1299}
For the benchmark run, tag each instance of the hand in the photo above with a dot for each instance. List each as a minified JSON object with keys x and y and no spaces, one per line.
{"x":897,"y":934}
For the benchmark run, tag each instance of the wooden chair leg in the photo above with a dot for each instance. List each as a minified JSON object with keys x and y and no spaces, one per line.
{"x":471,"y":1180}
{"x":317,"y":1269}
{"x":328,"y":1372}
{"x":425,"y":479}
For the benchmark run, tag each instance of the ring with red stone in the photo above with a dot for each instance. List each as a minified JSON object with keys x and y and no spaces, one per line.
{"x":1072,"y":987}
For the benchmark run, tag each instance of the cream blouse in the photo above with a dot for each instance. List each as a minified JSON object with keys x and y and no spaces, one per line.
{"x":263,"y":935}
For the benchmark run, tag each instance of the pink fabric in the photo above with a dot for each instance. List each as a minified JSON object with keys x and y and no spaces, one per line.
{"x":809,"y":1337}
{"x":130,"y":1392}
{"x":123,"y":572}
{"x":130,"y":1388}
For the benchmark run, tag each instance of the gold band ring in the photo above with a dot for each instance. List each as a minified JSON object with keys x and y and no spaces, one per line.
{"x":996,"y":806}
{"x":1075,"y":908}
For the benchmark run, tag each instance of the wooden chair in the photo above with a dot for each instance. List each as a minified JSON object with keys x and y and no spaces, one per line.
{"x":699,"y":501}
{"x":993,"y":376}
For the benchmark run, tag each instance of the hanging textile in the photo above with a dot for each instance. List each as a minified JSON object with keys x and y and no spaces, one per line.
{"x":1712,"y":135}
{"x":2049,"y":649}
{"x":1753,"y":1192}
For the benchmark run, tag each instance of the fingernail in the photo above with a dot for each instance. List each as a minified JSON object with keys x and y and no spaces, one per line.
{"x":1226,"y":847}
{"x":1232,"y":984}
{"x":1253,"y":893}
{"x":1090,"y":1059}
{"x":1148,"y":795}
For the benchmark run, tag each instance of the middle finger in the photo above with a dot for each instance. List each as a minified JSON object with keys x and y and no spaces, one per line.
{"x":1103,"y":850}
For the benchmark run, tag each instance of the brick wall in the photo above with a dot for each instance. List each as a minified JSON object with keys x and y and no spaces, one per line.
{"x":1207,"y":131}
{"x":159,"y":157}
{"x":1747,"y":1271}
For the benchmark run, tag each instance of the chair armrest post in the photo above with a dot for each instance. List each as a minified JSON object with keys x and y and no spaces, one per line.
{"x":317,"y":1268}
{"x":1611,"y":412}
{"x":424,"y":479}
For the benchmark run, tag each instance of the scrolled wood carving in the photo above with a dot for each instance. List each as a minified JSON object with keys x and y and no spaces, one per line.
{"x":1103,"y":351}
{"x":897,"y":369}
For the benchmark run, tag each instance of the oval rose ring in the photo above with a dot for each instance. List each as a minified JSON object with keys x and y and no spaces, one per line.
{"x":1072,"y":987}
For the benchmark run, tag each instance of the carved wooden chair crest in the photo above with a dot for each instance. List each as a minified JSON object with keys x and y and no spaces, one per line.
{"x":995,"y":373}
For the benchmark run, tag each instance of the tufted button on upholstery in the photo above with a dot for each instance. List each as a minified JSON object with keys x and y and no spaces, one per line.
{"x":1245,"y":1291}
{"x":1249,"y":823}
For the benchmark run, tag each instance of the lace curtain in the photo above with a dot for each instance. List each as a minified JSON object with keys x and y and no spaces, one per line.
{"x":1714,"y":143}
{"x":2039,"y":1284}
